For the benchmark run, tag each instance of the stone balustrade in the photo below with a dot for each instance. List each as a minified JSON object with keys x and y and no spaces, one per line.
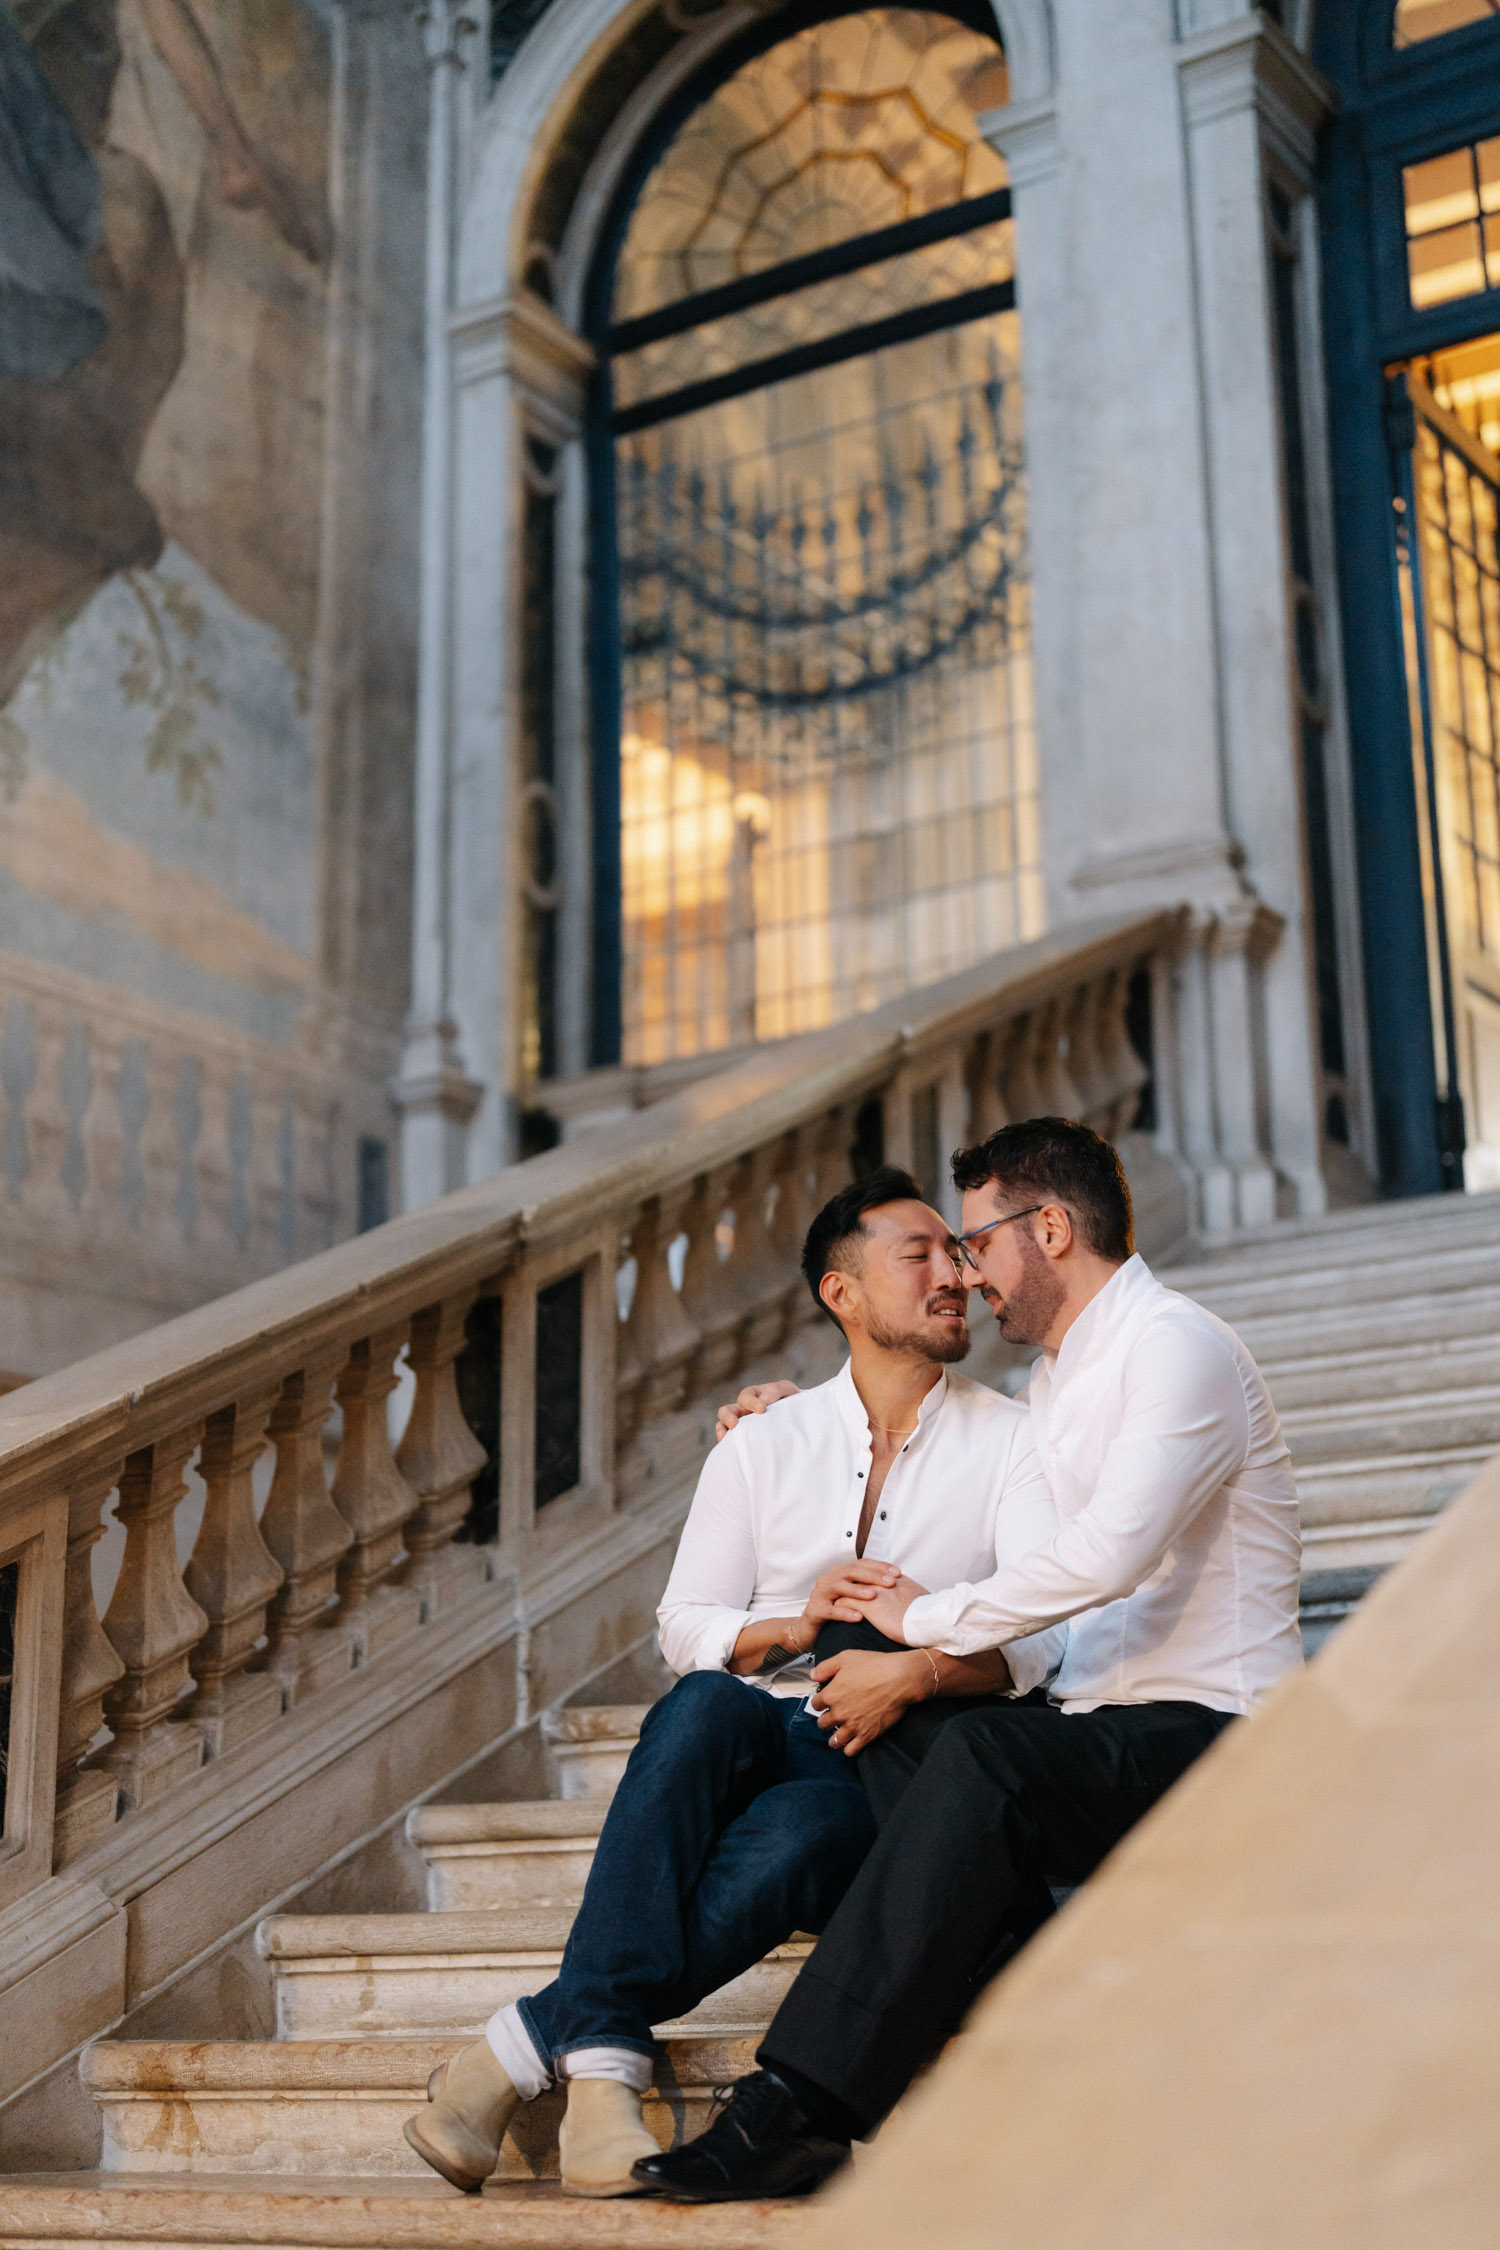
{"x":621,"y":1277}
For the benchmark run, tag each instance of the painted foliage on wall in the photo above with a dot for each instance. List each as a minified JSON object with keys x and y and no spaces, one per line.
{"x":164,"y":246}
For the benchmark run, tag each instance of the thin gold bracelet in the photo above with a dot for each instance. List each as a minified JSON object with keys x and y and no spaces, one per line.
{"x":937,"y":1677}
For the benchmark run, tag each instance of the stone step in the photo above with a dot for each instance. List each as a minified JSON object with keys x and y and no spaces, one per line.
{"x":348,"y":1976}
{"x":260,"y":2211}
{"x":1317,"y":1381}
{"x":336,"y":2107}
{"x":1372,"y":1510}
{"x":587,"y":1746}
{"x":1239,"y":1294}
{"x":1421,"y":1225}
{"x":534,"y":1856}
{"x":1433,"y":1317}
{"x":1432,"y":1423}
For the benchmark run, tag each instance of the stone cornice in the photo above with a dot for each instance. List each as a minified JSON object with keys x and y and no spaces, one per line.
{"x":524,"y":339}
{"x":1027,"y":137}
{"x":1251,"y":64}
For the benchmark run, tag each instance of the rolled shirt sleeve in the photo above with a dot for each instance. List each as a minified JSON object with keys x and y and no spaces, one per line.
{"x":1183,"y":1432}
{"x":705,"y":1607}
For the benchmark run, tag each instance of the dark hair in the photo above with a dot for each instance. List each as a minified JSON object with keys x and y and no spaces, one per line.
{"x":839,"y":1223}
{"x":1056,"y":1159}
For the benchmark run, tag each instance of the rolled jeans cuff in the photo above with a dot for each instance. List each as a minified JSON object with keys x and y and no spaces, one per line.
{"x":624,"y":2064}
{"x":515,"y":2051}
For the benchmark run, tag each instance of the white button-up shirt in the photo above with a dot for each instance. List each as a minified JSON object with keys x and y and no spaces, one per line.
{"x":1178,"y":1553}
{"x":779,"y":1502}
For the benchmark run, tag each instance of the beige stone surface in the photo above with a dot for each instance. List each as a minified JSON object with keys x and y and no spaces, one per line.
{"x":62,"y":1971}
{"x":1271,"y":2020}
{"x":364,"y":1975}
{"x":589,"y":1748}
{"x":149,"y":2213}
{"x":527,"y":1856}
{"x":541,"y":1873}
{"x":337,"y":2106}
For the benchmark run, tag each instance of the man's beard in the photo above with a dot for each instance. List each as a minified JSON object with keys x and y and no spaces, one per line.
{"x":941,"y":1347}
{"x":1034,"y":1303}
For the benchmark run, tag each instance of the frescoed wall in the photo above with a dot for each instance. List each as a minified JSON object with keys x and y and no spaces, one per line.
{"x":178,"y":311}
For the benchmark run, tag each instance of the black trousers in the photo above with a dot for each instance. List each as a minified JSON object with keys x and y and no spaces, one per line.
{"x":982,"y":1805}
{"x":890,"y":1762}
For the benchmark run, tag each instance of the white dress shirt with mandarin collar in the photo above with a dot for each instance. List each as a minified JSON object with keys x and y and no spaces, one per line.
{"x":779,"y":1500}
{"x":1178,"y":1553}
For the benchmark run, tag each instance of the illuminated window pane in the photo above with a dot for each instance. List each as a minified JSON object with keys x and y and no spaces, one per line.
{"x":1429,"y":19}
{"x":1466,"y":379}
{"x":1458,"y":500}
{"x":1453,"y":224}
{"x":829,"y":790}
{"x":856,"y":125}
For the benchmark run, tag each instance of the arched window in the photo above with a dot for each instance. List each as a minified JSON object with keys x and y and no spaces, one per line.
{"x":811,"y":685}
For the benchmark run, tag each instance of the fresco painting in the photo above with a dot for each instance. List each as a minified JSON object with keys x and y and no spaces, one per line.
{"x":164,"y":251}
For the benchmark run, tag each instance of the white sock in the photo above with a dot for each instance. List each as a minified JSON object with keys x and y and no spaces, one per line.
{"x":622,"y":2063}
{"x":514,"y":2050}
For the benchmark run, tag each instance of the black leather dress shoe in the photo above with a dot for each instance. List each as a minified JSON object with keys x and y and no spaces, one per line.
{"x":759,"y":2144}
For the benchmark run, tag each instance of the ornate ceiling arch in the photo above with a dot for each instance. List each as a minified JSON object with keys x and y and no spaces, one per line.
{"x":583,"y":82}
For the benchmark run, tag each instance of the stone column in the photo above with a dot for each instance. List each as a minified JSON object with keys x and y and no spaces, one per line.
{"x":1165,"y":779}
{"x":1250,"y":103}
{"x":435,"y":1095}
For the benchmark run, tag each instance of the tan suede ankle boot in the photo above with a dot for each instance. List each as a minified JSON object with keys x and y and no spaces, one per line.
{"x":601,"y":2137}
{"x":470,"y":2101}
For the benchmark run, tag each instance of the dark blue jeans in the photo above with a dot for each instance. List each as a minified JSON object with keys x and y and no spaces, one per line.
{"x":734,"y":1824}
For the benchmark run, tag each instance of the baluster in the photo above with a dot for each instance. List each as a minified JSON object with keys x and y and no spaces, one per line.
{"x":658,"y":1341}
{"x":373,"y":1497}
{"x":955,"y":1128}
{"x":1085,"y":1063}
{"x":308,"y":1538}
{"x":1021,"y":1092}
{"x":154,"y":1624}
{"x":630,"y":1361}
{"x":439,"y":1456}
{"x":988,"y":1077}
{"x":87,"y":1799}
{"x":762,"y":1269}
{"x":712,"y":1293}
{"x":664,"y":1326}
{"x":1123,"y":1071}
{"x":832,"y":1139}
{"x":1054,"y":1080}
{"x":232,"y":1576}
{"x":797,"y":1203}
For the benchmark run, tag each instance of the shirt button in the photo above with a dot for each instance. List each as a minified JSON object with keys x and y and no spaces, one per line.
{"x":882,"y":1515}
{"x":848,"y":1535}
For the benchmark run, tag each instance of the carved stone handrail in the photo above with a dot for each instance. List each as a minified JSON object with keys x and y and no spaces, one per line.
{"x":655,"y":1259}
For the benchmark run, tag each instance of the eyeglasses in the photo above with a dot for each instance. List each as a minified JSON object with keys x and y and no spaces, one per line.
{"x":964,"y":1256}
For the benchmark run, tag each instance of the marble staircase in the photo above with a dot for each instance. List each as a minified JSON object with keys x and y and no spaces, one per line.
{"x":297,"y":2140}
{"x":1378,"y":1330}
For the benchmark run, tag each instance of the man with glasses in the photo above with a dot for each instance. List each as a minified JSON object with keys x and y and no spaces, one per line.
{"x":738,"y":1820}
{"x":1175,"y":1569}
